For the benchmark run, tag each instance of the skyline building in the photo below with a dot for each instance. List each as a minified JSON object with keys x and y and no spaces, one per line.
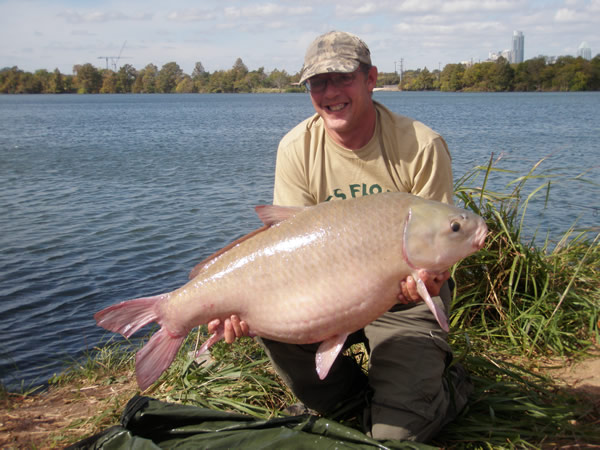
{"x":584,"y":51}
{"x":518,"y":47}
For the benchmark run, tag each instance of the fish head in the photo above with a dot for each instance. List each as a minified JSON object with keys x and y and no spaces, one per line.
{"x":437,"y":235}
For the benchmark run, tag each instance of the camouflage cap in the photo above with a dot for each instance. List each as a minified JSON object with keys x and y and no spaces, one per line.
{"x":336,"y":51}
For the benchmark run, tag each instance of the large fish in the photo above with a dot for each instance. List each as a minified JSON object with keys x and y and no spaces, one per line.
{"x":313,"y":274}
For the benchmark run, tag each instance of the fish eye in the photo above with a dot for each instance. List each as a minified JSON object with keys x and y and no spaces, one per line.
{"x":455,"y":226}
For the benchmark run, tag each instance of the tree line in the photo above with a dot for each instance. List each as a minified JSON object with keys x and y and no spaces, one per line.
{"x":170,"y":78}
{"x":565,"y":73}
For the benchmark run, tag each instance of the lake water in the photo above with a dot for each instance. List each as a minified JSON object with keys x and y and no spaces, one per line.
{"x":110,"y":197}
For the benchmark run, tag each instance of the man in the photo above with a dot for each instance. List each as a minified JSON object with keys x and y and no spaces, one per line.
{"x":354,"y":146}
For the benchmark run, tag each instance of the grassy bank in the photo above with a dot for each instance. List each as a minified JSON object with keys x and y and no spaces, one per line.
{"x":519,"y":309}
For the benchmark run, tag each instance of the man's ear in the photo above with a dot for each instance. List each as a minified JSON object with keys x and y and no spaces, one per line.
{"x":372,"y":78}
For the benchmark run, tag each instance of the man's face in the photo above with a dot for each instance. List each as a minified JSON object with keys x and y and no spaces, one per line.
{"x":346,"y":107}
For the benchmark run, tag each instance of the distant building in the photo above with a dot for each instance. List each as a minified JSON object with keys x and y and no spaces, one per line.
{"x":518,"y":47}
{"x":584,"y":51}
{"x":506,"y":54}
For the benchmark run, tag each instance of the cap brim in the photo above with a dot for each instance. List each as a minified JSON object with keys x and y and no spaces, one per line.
{"x":337,"y":65}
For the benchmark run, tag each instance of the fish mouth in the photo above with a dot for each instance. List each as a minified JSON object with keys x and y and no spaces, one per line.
{"x":480,"y":235}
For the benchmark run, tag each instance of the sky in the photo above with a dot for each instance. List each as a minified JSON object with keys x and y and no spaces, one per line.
{"x":412,"y":34}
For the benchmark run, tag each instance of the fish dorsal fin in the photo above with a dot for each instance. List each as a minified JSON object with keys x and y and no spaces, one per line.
{"x":205,"y":262}
{"x":272,"y":214}
{"x":268,"y":214}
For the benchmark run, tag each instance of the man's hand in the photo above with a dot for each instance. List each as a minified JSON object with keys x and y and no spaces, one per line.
{"x":433,"y":283}
{"x":233,"y":328}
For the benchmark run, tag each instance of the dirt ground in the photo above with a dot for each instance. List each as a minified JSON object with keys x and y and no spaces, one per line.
{"x":583,"y":377}
{"x":64,"y":415}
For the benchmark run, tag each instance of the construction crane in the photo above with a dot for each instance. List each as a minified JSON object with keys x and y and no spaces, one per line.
{"x":114,"y":60}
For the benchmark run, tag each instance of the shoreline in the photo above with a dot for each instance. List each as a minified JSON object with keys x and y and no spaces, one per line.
{"x":81,"y":407}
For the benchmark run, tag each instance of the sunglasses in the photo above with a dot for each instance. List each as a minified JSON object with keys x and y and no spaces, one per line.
{"x":318,"y":84}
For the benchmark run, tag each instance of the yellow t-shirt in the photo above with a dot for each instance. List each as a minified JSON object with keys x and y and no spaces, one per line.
{"x":403,"y":155}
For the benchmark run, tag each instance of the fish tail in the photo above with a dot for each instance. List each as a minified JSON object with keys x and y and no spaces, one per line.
{"x":128,"y":317}
{"x":156,"y":356}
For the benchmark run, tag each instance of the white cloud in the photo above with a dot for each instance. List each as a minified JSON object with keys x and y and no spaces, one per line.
{"x":233,"y":12}
{"x":75,"y":17}
{"x":191,"y":15}
{"x":357,"y":8}
{"x":476,"y":5}
{"x":569,"y":15}
{"x":448,"y":29}
{"x":418,"y":6}
{"x":266,"y":10}
{"x":456,"y":6}
{"x":82,"y":33}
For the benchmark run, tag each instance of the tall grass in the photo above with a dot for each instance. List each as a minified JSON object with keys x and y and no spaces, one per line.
{"x":516,"y":296}
{"x":515,"y":407}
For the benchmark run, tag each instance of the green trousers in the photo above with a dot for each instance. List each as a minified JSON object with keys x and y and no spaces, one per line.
{"x":410,"y":392}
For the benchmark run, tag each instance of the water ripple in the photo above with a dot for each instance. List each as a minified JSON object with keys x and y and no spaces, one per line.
{"x":106,"y":198}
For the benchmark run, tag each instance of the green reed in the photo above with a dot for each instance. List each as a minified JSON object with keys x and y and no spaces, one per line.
{"x":514,"y":294}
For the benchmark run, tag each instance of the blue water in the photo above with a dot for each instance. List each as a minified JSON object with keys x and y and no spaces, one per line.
{"x":111,"y":197}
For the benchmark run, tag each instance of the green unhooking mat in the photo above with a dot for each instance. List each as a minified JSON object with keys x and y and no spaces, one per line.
{"x":147,"y":423}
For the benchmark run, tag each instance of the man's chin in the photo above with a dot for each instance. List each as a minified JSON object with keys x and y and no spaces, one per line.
{"x":336,"y":121}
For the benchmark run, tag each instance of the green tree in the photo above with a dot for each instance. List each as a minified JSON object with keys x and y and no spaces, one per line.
{"x":489,"y":76}
{"x":451,"y":79}
{"x":500,"y":76}
{"x":28,"y":84}
{"x":169,"y":75}
{"x":408,"y":79}
{"x":9,"y":80}
{"x":221,"y":81}
{"x":185,"y":85}
{"x":126,"y":78}
{"x":109,"y":82}
{"x":529,"y":74}
{"x":148,"y":77}
{"x":251,"y":82}
{"x":138,"y":83}
{"x":424,"y":81}
{"x":41,"y":81}
{"x":278,"y":79}
{"x":200,"y":77}
{"x":387,"y":79}
{"x":198,"y":71}
{"x":564,"y":73}
{"x":57,"y":82}
{"x":88,"y":79}
{"x":595,"y":73}
{"x":239,"y":69}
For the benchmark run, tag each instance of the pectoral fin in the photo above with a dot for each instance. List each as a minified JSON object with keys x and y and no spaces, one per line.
{"x":327,"y":352}
{"x":439,"y":315}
